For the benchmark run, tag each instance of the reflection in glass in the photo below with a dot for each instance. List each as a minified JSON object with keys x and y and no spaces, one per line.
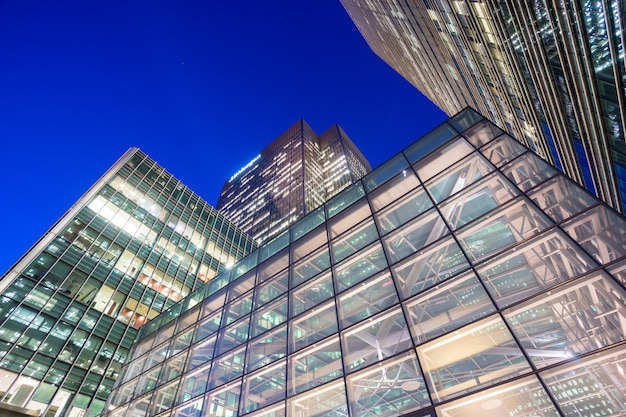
{"x":360,"y":266}
{"x":366,"y":299}
{"x":327,"y":401}
{"x":459,"y":176}
{"x":561,"y":198}
{"x":503,"y":150}
{"x":267,"y":348}
{"x":403,"y":210}
{"x":312,"y":326}
{"x":315,"y":366}
{"x":264,"y":387}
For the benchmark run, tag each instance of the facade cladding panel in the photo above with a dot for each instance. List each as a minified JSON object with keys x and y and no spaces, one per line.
{"x":463,"y":277}
{"x":136,"y":243}
{"x":551,"y":73}
{"x":294,"y":175}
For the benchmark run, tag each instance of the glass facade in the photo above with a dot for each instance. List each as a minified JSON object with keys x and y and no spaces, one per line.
{"x":549,"y":72}
{"x":463,"y":277}
{"x":134,"y":245}
{"x":291,"y":177}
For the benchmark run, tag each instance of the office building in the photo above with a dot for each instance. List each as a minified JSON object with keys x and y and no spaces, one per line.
{"x":551,"y":73}
{"x":295,"y":174}
{"x":136,"y":243}
{"x":463,"y":277}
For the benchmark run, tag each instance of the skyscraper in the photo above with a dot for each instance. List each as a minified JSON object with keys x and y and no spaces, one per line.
{"x":463,"y":277}
{"x":293,"y":175}
{"x":549,"y":72}
{"x":136,"y":243}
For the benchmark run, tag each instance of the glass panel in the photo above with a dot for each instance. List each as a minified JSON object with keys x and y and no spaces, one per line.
{"x":393,"y":388}
{"x":481,"y":133}
{"x":264,"y":387}
{"x":241,"y":285}
{"x":503,"y":150}
{"x":384,"y":172}
{"x":307,"y":224}
{"x":442,"y":158}
{"x":267,"y":348}
{"x":275,"y":245}
{"x":344,"y":199}
{"x":594,"y":385}
{"x":618,"y":270}
{"x":227,"y":367}
{"x":193,"y":409}
{"x":273,"y":266}
{"x":224,"y":401}
{"x":367,"y":299}
{"x":233,"y":336}
{"x":354,"y":215}
{"x":449,"y":306}
{"x":352,"y":241}
{"x":403,"y":210}
{"x":315,"y":366}
{"x":327,"y":401}
{"x":312,"y":293}
{"x":560,"y":198}
{"x":311,"y":266}
{"x":584,"y":315}
{"x":194,"y":383}
{"x":465,"y":118}
{"x":315,"y":325}
{"x":429,"y":142}
{"x":208,"y":326}
{"x":412,"y":237}
{"x":512,"y":223}
{"x":523,"y":398}
{"x":360,"y":266}
{"x":173,"y":368}
{"x":269,"y":316}
{"x":309,"y":243}
{"x":214,"y":303}
{"x":477,"y":200}
{"x":534,"y":266}
{"x":378,"y":338}
{"x":528,"y":171}
{"x":275,"y":287}
{"x":601,"y":232}
{"x":394,"y":189}
{"x":470,"y":359}
{"x":427,"y":267}
{"x":202,"y":352}
{"x":239,"y":308}
{"x":460,"y":176}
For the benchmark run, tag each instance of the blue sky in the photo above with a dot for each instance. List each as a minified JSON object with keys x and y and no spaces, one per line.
{"x":201,"y":87}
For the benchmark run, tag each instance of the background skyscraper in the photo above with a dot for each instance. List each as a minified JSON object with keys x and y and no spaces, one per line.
{"x":136,"y":243}
{"x":549,"y":72}
{"x":293,"y":175}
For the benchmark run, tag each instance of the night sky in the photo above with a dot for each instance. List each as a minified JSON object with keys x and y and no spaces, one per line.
{"x":200,"y":86}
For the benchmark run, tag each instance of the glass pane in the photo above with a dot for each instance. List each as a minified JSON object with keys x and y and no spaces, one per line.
{"x":528,"y":171}
{"x":173,"y":368}
{"x":472,"y":358}
{"x":367,"y":299}
{"x":534,"y":266}
{"x":384,"y":172}
{"x":193,"y":409}
{"x":202,"y":352}
{"x":595,"y":383}
{"x":232,"y":336}
{"x":394,"y":189}
{"x":514,"y":222}
{"x":224,"y":401}
{"x":584,"y":315}
{"x":327,"y":401}
{"x":227,"y":367}
{"x":523,"y":398}
{"x":272,"y":266}
{"x":477,"y":200}
{"x":393,"y":388}
{"x":403,"y":210}
{"x":560,"y":198}
{"x":307,"y":224}
{"x":465,"y":118}
{"x":449,"y":306}
{"x":209,"y":325}
{"x":618,"y":270}
{"x":601,"y":232}
{"x":354,"y":215}
{"x":462,"y":175}
{"x":412,"y":237}
{"x":427,"y":267}
{"x":267,"y":348}
{"x":269,"y":316}
{"x":481,"y":133}
{"x":273,"y":288}
{"x":352,"y":241}
{"x":442,"y":158}
{"x":275,"y":245}
{"x":315,"y":366}
{"x":344,"y":199}
{"x":311,"y":266}
{"x":503,"y":150}
{"x":238,"y":309}
{"x":378,"y":338}
{"x":360,"y":266}
{"x":264,"y":387}
{"x":311,"y":293}
{"x":315,"y":325}
{"x":309,"y":243}
{"x":194,"y":383}
{"x":429,"y":142}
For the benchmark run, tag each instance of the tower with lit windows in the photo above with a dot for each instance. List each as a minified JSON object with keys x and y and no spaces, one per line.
{"x":464,"y":277}
{"x":549,"y":72}
{"x":135,"y":244}
{"x":293,"y":175}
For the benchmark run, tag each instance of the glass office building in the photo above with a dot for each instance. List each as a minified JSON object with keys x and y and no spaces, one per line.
{"x":135,"y":244}
{"x":293,"y":175}
{"x":463,"y":277}
{"x":549,"y":72}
